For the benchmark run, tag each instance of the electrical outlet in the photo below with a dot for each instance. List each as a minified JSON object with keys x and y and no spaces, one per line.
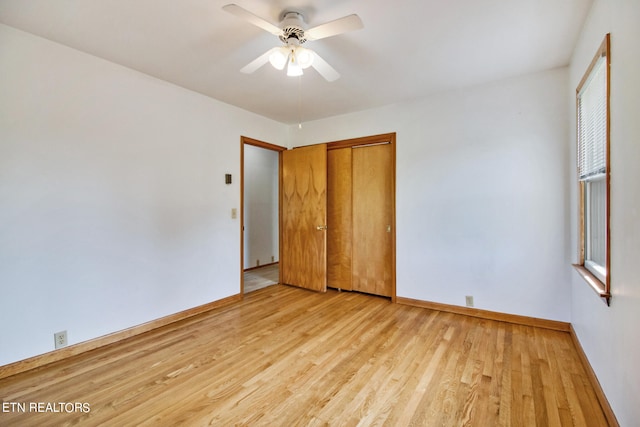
{"x":469,"y":300}
{"x":273,"y":259}
{"x":60,"y":339}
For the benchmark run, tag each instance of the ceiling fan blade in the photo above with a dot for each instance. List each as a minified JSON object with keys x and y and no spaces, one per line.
{"x":258,"y":62}
{"x":323,"y":68}
{"x":333,"y":28}
{"x":238,"y":11}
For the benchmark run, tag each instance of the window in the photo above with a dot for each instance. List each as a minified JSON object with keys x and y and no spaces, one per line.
{"x":592,"y":102}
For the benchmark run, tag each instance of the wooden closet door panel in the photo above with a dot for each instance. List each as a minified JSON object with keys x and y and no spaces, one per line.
{"x":373,"y":219}
{"x":339,"y":223}
{"x":304,"y":217}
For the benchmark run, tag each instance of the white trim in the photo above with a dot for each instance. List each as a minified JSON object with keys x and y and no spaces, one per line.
{"x":596,"y":269}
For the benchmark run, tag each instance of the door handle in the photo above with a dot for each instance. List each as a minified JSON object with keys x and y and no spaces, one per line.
{"x":321,"y":227}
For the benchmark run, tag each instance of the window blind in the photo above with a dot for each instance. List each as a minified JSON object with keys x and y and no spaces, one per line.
{"x":592,"y":123}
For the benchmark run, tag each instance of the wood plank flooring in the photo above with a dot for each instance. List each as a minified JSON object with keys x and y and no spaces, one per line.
{"x":289,"y":357}
{"x":258,"y":278}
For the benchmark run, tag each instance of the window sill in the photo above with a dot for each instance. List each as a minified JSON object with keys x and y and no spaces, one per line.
{"x":594,"y":283}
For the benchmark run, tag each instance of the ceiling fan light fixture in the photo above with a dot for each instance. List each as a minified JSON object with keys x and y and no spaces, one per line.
{"x":278,"y":58}
{"x":294,"y":69}
{"x":304,"y":57}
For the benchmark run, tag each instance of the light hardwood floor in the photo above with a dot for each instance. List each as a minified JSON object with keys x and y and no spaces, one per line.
{"x":258,"y":278}
{"x":289,"y":357}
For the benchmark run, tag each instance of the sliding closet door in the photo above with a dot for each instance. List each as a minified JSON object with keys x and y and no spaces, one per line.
{"x":373,"y":219}
{"x":339,"y":216}
{"x":304,"y":217}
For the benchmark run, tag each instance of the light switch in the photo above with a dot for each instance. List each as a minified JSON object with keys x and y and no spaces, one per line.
{"x":234,"y":213}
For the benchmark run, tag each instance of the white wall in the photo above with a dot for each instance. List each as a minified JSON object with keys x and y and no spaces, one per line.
{"x":482,"y":190}
{"x":113,"y":206}
{"x":610,"y":335}
{"x":260,"y":206}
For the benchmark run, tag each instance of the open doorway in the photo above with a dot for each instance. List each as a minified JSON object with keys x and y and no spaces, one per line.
{"x":260,"y":214}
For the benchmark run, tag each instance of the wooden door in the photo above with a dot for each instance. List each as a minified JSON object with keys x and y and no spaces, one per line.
{"x":373,"y":183}
{"x":339,"y":206}
{"x":304,"y":215}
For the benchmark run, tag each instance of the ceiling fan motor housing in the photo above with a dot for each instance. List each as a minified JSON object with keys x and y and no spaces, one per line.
{"x":292,"y":27}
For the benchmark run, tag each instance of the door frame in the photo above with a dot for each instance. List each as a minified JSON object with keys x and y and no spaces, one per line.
{"x":268,"y":146}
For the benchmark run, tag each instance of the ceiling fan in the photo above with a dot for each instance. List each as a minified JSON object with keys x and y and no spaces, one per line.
{"x":293,"y":35}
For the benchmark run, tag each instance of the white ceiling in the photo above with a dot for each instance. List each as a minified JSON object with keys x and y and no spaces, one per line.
{"x":407,"y":49}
